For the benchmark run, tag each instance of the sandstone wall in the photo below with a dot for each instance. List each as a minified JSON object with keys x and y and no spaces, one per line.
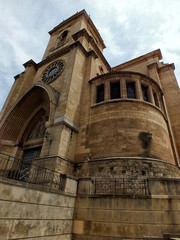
{"x":116,"y":126}
{"x":172,"y":98}
{"x":28,"y":212}
{"x":106,"y":217}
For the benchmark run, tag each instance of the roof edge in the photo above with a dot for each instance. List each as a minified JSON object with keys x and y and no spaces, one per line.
{"x":75,"y":16}
{"x":139,"y":59}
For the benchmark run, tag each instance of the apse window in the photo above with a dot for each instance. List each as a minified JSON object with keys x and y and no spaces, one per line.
{"x":100,"y":93}
{"x":145,"y":93}
{"x":131,"y":89}
{"x":156,"y":99}
{"x":115,"y":90}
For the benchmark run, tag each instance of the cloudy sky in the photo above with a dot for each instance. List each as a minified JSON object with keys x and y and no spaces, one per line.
{"x":129,"y":28}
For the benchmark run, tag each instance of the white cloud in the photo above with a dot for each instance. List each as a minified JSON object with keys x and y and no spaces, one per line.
{"x":129,"y":28}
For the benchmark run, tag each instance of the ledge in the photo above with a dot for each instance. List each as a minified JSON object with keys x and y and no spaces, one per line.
{"x":84,"y":32}
{"x":74,"y":17}
{"x":30,"y":63}
{"x":54,"y":55}
{"x":127,"y":158}
{"x":54,"y":156}
{"x":67,"y":122}
{"x":34,"y":187}
{"x":129,"y":100}
{"x":143,"y":58}
{"x":124,"y":74}
{"x":64,"y":50}
{"x":166,"y":67}
{"x":18,"y":75}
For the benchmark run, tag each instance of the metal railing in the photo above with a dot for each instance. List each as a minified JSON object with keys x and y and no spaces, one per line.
{"x":14,"y":168}
{"x":121,"y":186}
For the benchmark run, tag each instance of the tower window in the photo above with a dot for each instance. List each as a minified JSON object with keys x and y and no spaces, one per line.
{"x":100,"y":93}
{"x":64,"y":35}
{"x":115,"y":90}
{"x":156,"y":99}
{"x":131,"y":90}
{"x":101,"y":69}
{"x":145,"y":93}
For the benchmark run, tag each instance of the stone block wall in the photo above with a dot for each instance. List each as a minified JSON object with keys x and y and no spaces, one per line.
{"x":31,"y":212}
{"x":119,"y":217}
{"x":55,"y":163}
{"x":172,"y":98}
{"x":138,"y":167}
{"x":113,"y":127}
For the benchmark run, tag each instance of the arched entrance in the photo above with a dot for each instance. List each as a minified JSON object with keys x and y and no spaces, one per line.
{"x":33,"y":137}
{"x":23,"y":128}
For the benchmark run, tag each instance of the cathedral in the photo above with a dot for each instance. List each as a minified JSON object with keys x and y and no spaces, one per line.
{"x":89,"y":151}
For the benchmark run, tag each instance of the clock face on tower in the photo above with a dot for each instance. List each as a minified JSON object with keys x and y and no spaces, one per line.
{"x":53,"y":71}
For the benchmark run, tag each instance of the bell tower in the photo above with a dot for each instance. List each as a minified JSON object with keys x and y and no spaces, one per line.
{"x":45,"y":99}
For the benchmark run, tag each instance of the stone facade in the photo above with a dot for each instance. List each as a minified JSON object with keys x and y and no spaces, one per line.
{"x":111,"y":133}
{"x":29,"y":212}
{"x":109,"y":218}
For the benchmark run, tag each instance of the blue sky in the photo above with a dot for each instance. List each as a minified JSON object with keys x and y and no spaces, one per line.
{"x":129,"y":28}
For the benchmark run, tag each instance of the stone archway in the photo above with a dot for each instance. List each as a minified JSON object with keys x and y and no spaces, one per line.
{"x":22,"y":127}
{"x":33,"y":137}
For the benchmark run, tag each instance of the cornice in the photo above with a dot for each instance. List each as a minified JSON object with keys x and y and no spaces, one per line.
{"x":143,"y":58}
{"x":30,"y":63}
{"x":124,"y":74}
{"x":18,"y":75}
{"x":83,"y":32}
{"x":152,"y":65}
{"x":167,"y":67}
{"x":64,"y":50}
{"x":70,"y":19}
{"x":54,"y":55}
{"x":67,"y":122}
{"x":74,"y":17}
{"x":80,"y":46}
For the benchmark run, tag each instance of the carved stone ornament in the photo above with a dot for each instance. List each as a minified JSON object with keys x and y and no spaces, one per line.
{"x":38,"y":130}
{"x":53,"y":71}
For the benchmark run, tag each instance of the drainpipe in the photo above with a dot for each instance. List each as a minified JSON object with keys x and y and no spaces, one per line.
{"x":171,"y":134}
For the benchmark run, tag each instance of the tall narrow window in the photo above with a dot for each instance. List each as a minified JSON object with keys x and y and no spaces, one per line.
{"x":156,"y":99}
{"x":145,"y":93}
{"x":131,"y":90}
{"x":115,"y":90}
{"x":100,"y":93}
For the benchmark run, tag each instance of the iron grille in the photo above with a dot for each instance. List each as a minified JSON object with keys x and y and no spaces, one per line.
{"x":121,"y":186}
